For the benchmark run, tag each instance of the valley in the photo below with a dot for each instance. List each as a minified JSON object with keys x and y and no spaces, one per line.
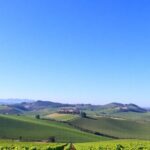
{"x":44,"y":121}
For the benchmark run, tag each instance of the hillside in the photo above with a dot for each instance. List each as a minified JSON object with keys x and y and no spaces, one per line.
{"x":35,"y":129}
{"x":118,"y":107}
{"x":114,"y":120}
{"x":5,"y":109}
{"x":132,"y":116}
{"x":35,"y":106}
{"x":115,"y":108}
{"x":115,"y":127}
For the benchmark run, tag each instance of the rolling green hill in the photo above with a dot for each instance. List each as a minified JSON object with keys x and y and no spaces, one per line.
{"x":115,"y":127}
{"x":133,"y":115}
{"x":35,"y":129}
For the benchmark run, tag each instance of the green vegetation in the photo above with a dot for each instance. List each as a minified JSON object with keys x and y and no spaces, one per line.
{"x":115,"y":145}
{"x":43,"y":112}
{"x":101,"y":145}
{"x":37,"y":116}
{"x":115,"y":127}
{"x":14,"y":145}
{"x":42,"y":122}
{"x":83,"y":114}
{"x":145,"y":116}
{"x":133,"y":116}
{"x":37,"y":129}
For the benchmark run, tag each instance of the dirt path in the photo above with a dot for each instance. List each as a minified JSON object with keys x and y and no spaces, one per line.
{"x":72,"y":147}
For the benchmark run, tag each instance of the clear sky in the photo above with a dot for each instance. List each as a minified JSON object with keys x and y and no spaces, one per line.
{"x":75,"y":51}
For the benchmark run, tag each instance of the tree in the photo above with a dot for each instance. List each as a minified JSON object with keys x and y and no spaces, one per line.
{"x":20,"y":138}
{"x":83,"y":114}
{"x":51,"y":139}
{"x":37,"y":116}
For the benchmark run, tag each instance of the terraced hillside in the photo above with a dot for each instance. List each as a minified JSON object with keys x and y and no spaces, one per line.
{"x":115,"y":127}
{"x":35,"y":129}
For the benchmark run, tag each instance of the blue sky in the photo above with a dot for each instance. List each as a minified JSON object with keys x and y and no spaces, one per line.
{"x":75,"y":51}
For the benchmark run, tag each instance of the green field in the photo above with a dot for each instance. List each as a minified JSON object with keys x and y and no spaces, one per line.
{"x":15,"y":145}
{"x":61,"y":117}
{"x":101,"y":145}
{"x":114,"y":145}
{"x":31,"y":129}
{"x":115,"y":127}
{"x":36,"y":129}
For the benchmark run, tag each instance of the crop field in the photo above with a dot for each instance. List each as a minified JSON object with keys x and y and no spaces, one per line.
{"x":61,"y":117}
{"x":14,"y":145}
{"x":102,"y":145}
{"x":114,"y":145}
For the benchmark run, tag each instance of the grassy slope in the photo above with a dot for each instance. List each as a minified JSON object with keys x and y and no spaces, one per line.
{"x":114,"y":127}
{"x":29,"y":128}
{"x":110,"y":112}
{"x":134,"y":116}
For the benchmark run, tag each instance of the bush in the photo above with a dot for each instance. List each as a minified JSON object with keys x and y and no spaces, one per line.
{"x":83,"y":114}
{"x":51,"y":139}
{"x":37,"y":116}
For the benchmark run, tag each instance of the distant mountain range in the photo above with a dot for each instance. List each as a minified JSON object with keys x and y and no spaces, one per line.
{"x":14,"y":101}
{"x":17,"y":106}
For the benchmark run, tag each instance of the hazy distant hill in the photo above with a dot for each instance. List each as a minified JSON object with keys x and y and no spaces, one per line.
{"x":37,"y":105}
{"x":5,"y":109}
{"x":118,"y":107}
{"x":14,"y":101}
{"x":23,"y":105}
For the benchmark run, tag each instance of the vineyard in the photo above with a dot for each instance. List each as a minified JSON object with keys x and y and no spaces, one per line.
{"x":105,"y":145}
{"x":14,"y":145}
{"x":115,"y":145}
